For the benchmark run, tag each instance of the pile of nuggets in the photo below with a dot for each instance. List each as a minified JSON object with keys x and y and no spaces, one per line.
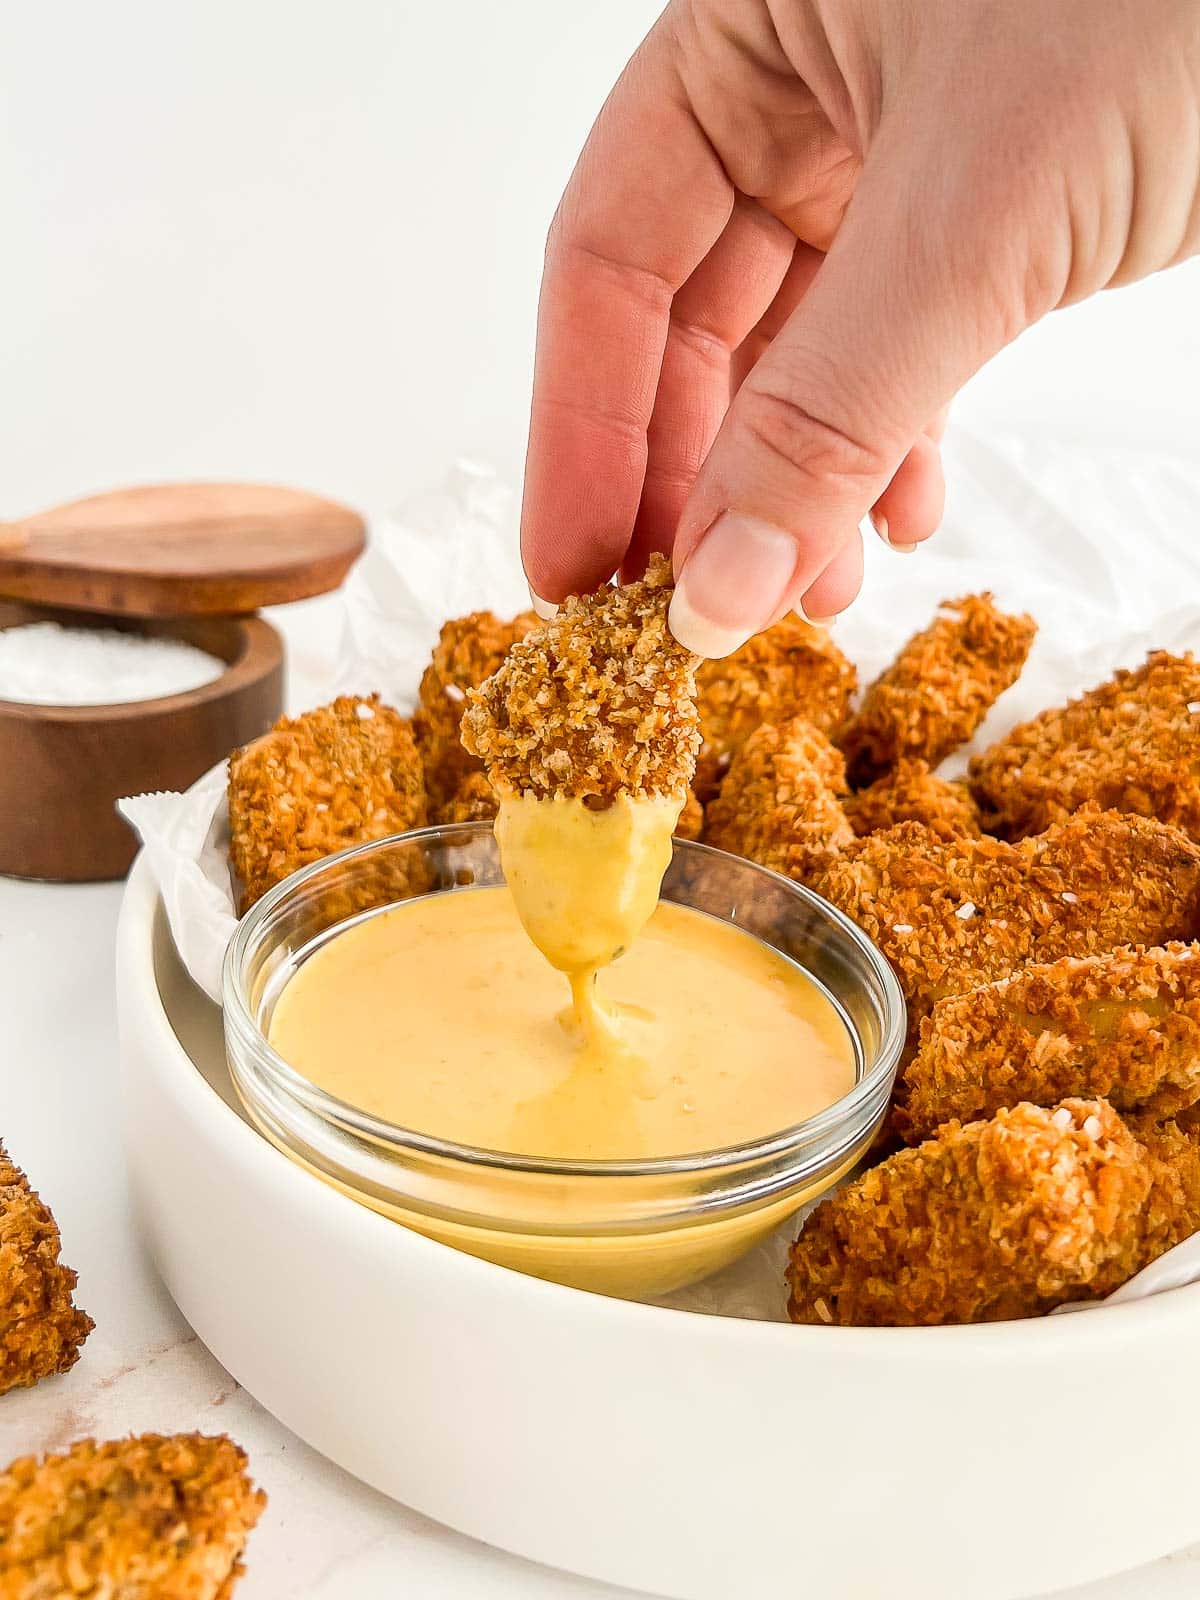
{"x":149,"y":1515}
{"x":1039,"y":909}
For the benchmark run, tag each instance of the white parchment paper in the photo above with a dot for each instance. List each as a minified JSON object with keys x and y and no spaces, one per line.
{"x":1102,"y":546}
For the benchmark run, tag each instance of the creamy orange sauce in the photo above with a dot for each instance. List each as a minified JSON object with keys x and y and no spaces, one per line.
{"x":441,"y":1016}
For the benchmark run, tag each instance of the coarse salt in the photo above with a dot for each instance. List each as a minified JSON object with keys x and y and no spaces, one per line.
{"x":49,"y":664}
{"x":1194,"y":707}
{"x":1071,"y":899}
{"x":364,"y":712}
{"x":1062,"y":1118}
{"x":902,"y":927}
{"x":1092,"y":1127}
{"x":453,"y":692}
{"x":966,"y":911}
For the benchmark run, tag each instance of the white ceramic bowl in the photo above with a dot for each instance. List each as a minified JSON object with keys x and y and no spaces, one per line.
{"x":702,"y":1458}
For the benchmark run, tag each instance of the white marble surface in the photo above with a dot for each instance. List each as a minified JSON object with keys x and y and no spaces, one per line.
{"x":324,"y":1536}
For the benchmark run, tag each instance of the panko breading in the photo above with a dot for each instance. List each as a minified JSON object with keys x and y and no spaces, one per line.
{"x":939,"y":688}
{"x":1133,"y":744}
{"x":597,"y":702}
{"x":792,"y":669}
{"x":341,"y":775}
{"x":953,"y":914}
{"x":40,"y":1329}
{"x":473,"y":801}
{"x":910,"y":792}
{"x":779,"y":802}
{"x":136,"y":1519}
{"x":469,"y":649}
{"x":995,"y":1220}
{"x":1125,"y":1025}
{"x":691,"y":818}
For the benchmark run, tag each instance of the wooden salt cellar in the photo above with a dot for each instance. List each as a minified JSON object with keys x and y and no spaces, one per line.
{"x":177,"y":561}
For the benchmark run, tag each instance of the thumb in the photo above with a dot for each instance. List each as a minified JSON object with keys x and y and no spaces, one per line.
{"x":904,"y":309}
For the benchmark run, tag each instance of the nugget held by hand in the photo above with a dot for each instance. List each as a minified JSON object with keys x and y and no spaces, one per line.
{"x":910,"y":792}
{"x":1133,"y":744}
{"x":341,"y":775}
{"x":790,"y":670}
{"x":1125,"y":1025}
{"x":779,"y":802}
{"x":40,"y":1328}
{"x":137,"y":1519}
{"x":953,"y":914}
{"x":995,"y":1220}
{"x":939,"y":688}
{"x":597,"y":702}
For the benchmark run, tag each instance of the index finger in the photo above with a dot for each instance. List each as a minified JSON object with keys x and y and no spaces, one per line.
{"x":645,"y":204}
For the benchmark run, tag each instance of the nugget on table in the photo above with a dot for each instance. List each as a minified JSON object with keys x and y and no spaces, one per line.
{"x":779,"y":802}
{"x":136,"y":1519}
{"x":953,"y":914}
{"x":1125,"y":1025}
{"x":41,"y":1329}
{"x":998,"y":1219}
{"x":469,"y":649}
{"x":341,"y":775}
{"x":791,"y":669}
{"x":1133,"y":744}
{"x":599,"y":701}
{"x":911,"y":792}
{"x":939,"y":688}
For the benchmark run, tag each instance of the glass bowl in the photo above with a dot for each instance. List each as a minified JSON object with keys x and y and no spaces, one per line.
{"x":628,"y":1227}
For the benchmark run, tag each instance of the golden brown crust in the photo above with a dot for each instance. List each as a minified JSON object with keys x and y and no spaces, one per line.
{"x":40,"y":1328}
{"x":939,"y":688}
{"x":779,"y":802}
{"x":469,"y":649}
{"x":1125,"y":1025}
{"x":1132,"y":744}
{"x":989,"y":1221}
{"x":953,"y":914}
{"x":691,"y":818}
{"x":473,"y":801}
{"x":597,"y":702}
{"x":910,"y":792}
{"x":135,"y":1519}
{"x":792,"y":669}
{"x":341,"y":775}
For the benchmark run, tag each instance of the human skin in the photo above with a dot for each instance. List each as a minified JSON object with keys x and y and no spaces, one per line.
{"x":835,"y":211}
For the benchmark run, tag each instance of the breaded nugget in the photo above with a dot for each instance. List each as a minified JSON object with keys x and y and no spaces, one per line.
{"x":1125,"y":1025}
{"x":1133,"y":744}
{"x":691,"y":818}
{"x":473,"y":801}
{"x":1172,"y":1210}
{"x":779,"y":802}
{"x":939,"y":688}
{"x":469,"y":649}
{"x":910,"y":792}
{"x":150,"y":1518}
{"x":988,"y":1221}
{"x":792,"y":669}
{"x":341,"y":775}
{"x":953,"y":914}
{"x":597,"y":702}
{"x":40,"y":1329}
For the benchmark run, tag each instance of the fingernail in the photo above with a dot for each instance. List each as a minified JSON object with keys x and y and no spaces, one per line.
{"x":542,"y":608}
{"x":880,"y":523}
{"x":817,"y":622}
{"x":733,"y":583}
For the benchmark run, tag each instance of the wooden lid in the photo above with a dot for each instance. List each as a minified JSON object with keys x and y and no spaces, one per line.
{"x":180,"y":549}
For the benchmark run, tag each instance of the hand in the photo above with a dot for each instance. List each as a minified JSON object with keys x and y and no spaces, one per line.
{"x":835,"y":211}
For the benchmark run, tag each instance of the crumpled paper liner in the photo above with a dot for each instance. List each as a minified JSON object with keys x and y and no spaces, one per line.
{"x":1100,"y":545}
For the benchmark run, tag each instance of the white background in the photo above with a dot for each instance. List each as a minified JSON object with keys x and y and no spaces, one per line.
{"x":301,"y":242}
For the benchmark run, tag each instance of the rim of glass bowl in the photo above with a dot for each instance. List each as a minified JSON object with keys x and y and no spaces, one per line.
{"x":239,"y":1019}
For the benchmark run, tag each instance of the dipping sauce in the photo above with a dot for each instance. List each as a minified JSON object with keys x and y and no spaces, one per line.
{"x":441,"y":1016}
